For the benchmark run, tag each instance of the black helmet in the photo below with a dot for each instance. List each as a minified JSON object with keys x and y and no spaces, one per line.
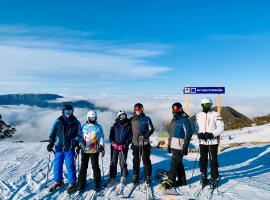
{"x":67,"y":107}
{"x":177,"y":107}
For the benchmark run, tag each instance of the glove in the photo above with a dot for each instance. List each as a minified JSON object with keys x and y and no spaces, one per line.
{"x":101,"y":150}
{"x":201,"y":136}
{"x":74,"y":143}
{"x":209,"y":136}
{"x":169,"y":149}
{"x":50,"y":147}
{"x":185,"y":151}
{"x":141,"y":138}
{"x":78,"y":149}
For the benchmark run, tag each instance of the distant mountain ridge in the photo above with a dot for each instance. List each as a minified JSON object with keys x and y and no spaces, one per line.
{"x":6,"y":130}
{"x":42,"y":101}
{"x":233,"y":119}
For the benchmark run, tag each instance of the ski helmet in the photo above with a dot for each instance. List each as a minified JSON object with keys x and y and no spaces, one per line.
{"x":206,"y":104}
{"x":121,"y":115}
{"x":67,"y":110}
{"x":138,"y":107}
{"x":177,"y":108}
{"x":92,"y":116}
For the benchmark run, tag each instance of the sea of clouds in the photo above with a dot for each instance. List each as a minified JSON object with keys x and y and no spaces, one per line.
{"x":34,"y":123}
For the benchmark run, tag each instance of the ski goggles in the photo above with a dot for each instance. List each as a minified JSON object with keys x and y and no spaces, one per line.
{"x":92,"y":119}
{"x":176,"y":109}
{"x":122,"y":116}
{"x":68,"y":112}
{"x":206,"y":106}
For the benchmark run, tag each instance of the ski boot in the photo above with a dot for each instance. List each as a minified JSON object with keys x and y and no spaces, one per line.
{"x":203,"y":180}
{"x":213,"y":183}
{"x":135,"y":179}
{"x":123,"y":180}
{"x":56,"y":186}
{"x":71,"y":189}
{"x":148,"y":180}
{"x":110,"y":182}
{"x":96,"y":186}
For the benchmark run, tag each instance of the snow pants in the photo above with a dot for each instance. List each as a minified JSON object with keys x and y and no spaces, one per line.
{"x":122,"y":155}
{"x":68,"y":157}
{"x":210,"y":150}
{"x":143,"y":152}
{"x":177,"y":169}
{"x":84,"y":166}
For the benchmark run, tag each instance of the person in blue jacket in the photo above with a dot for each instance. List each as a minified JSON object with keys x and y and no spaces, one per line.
{"x":120,"y":138}
{"x":63,"y":140}
{"x":92,"y":144}
{"x":180,"y":133}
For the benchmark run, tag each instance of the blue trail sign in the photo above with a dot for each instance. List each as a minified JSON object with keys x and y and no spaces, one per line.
{"x":204,"y":90}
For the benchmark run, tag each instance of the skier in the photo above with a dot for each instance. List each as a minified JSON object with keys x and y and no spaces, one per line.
{"x":63,"y":138}
{"x":208,"y":125}
{"x":91,"y":145}
{"x":180,"y":134}
{"x":120,"y":138}
{"x":142,"y":129}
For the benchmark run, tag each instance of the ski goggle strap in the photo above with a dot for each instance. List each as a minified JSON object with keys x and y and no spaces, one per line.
{"x":68,"y":112}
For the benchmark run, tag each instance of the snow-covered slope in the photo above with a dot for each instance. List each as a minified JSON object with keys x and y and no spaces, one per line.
{"x":245,"y":172}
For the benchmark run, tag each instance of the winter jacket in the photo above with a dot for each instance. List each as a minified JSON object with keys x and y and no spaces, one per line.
{"x":210,"y":122}
{"x":121,"y":134}
{"x":141,"y":126}
{"x":63,"y":133}
{"x":180,"y":132}
{"x":90,"y":131}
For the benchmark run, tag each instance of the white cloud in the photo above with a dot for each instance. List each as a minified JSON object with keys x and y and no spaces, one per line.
{"x":63,"y":58}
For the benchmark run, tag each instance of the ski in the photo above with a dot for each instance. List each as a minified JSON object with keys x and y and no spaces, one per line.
{"x":199,"y":191}
{"x":212,"y":188}
{"x":182,"y":192}
{"x":120,"y":189}
{"x":149,"y":192}
{"x":131,"y":191}
{"x":92,"y":194}
{"x":171,"y":191}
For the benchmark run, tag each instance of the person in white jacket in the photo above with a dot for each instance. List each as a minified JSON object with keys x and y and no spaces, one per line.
{"x":209,"y":126}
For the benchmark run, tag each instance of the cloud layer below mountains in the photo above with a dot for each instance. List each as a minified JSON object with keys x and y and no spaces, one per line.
{"x":33,"y":123}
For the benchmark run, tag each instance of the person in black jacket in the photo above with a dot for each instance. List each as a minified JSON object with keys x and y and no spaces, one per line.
{"x":120,"y":138}
{"x":180,"y":134}
{"x":142,"y":129}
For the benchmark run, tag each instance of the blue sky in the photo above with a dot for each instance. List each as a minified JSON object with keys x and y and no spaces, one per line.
{"x":134,"y":47}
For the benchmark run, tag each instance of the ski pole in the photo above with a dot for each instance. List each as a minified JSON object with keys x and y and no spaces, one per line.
{"x":78,"y":163}
{"x":48,"y":170}
{"x":198,"y":150}
{"x":102,"y":168}
{"x":209,"y":149}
